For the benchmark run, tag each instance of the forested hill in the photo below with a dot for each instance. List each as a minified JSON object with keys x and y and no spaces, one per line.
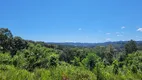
{"x":117,"y":44}
{"x":29,"y":60}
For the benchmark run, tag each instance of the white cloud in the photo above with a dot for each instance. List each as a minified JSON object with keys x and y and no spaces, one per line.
{"x":108,"y":33}
{"x":80,"y":29}
{"x":108,"y":39}
{"x":123,"y":27}
{"x":119,"y":35}
{"x":139,"y":29}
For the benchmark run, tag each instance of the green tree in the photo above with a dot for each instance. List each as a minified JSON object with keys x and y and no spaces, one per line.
{"x":100,"y":51}
{"x":54,"y":60}
{"x":130,"y":47}
{"x":134,"y":69}
{"x":76,"y":61}
{"x":6,"y":32}
{"x":5,"y":39}
{"x":91,"y":60}
{"x":109,"y":53}
{"x":5,"y":59}
{"x":17,"y":44}
{"x":115,"y":67}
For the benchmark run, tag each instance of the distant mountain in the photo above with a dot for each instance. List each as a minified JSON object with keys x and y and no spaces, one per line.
{"x":119,"y":44}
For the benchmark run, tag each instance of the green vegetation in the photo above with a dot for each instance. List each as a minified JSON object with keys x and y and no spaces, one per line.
{"x":28,"y":60}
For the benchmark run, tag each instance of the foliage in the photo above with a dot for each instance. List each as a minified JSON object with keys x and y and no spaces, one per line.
{"x":29,"y":60}
{"x":5,"y":58}
{"x":91,"y":60}
{"x":131,"y":47}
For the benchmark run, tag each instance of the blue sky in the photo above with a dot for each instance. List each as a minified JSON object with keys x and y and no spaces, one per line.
{"x":73,"y":20}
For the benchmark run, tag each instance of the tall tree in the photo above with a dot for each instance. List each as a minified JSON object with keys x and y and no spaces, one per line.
{"x":8,"y":43}
{"x":5,"y":39}
{"x":130,"y":47}
{"x":6,"y":32}
{"x":91,"y":60}
{"x":109,"y":54}
{"x":17,"y":44}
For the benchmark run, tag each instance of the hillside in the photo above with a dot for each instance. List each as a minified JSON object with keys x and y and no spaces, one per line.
{"x":29,"y":60}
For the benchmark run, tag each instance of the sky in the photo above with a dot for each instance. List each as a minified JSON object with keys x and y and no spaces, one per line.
{"x":73,"y":20}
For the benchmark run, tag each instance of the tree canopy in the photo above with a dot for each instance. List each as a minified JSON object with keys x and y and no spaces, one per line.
{"x":29,"y":60}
